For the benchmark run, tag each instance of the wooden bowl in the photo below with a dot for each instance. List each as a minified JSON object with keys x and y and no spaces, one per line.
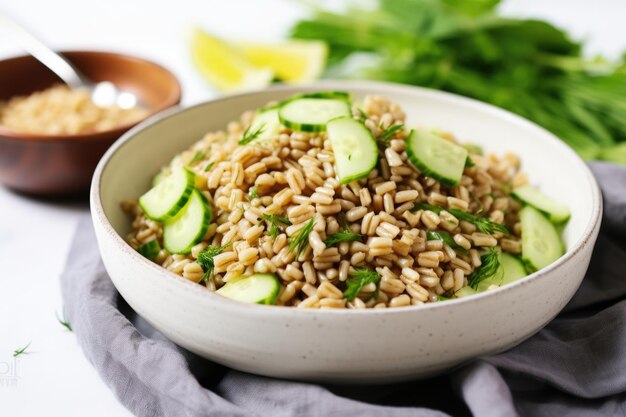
{"x":63,"y":164}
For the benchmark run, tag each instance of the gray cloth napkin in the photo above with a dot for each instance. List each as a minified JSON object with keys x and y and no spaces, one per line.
{"x":575,"y":366}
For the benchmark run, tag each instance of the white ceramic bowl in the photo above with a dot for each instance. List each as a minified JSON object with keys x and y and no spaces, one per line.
{"x":365,"y":346}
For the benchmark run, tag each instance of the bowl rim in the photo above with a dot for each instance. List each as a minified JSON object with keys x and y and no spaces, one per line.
{"x":98,"y":215}
{"x":174,"y":97}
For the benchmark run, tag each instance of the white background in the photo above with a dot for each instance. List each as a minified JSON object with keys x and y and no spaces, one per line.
{"x":54,"y":378}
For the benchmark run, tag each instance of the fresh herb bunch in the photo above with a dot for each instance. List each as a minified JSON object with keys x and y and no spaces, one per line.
{"x":529,"y":67}
{"x":359,"y":279}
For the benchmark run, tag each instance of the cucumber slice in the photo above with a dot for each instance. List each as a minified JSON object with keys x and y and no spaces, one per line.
{"x":465,"y":292}
{"x":163,"y":201}
{"x":513,"y":268}
{"x":355,"y":148}
{"x":436,"y":157}
{"x":556,"y":211}
{"x":541,"y":243}
{"x":158,"y":178}
{"x":255,"y":289}
{"x":180,"y":235}
{"x":312,"y":114}
{"x":268,"y":122}
{"x":341,"y":95}
{"x":150,"y":249}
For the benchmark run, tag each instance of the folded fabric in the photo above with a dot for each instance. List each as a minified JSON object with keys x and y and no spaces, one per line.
{"x":575,"y":366}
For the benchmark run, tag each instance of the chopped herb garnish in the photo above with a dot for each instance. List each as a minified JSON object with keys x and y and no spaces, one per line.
{"x":250,"y":135}
{"x":299,"y":241}
{"x":489,"y":268}
{"x":346,"y":235}
{"x":21,"y":351}
{"x":199,"y":156}
{"x":274,"y":220}
{"x":469,"y":162}
{"x":442,"y":298}
{"x":209,"y":166}
{"x":362,"y":114}
{"x":64,"y":322}
{"x":425,"y":206}
{"x":149,"y":250}
{"x":482,"y":224}
{"x":253,"y":192}
{"x":386,"y":135}
{"x":359,"y":279}
{"x":205,"y":259}
{"x":445,"y":238}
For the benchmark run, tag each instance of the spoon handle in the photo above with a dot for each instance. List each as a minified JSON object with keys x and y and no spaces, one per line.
{"x":55,"y":62}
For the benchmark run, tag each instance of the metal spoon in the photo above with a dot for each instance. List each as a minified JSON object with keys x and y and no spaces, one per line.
{"x":103,"y":94}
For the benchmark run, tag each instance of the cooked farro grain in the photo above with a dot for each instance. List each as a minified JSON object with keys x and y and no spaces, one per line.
{"x":60,"y":110}
{"x":372,"y":220}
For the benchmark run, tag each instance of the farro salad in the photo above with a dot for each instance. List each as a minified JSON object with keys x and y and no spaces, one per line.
{"x":319,"y":202}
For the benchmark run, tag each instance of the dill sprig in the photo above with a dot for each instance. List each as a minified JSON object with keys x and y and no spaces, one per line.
{"x":249,"y":135}
{"x":273,"y":220}
{"x":64,"y":322}
{"x":445,"y":238}
{"x":385,"y":137}
{"x":21,"y":351}
{"x":483,"y":224}
{"x":362,"y":114}
{"x":490,"y":267}
{"x":205,"y":259}
{"x":253,"y":192}
{"x":359,"y":279}
{"x":199,"y":156}
{"x":346,"y":235}
{"x":209,"y":166}
{"x":299,"y":241}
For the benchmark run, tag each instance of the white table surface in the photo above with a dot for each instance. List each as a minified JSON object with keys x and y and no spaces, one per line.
{"x":55,"y":379}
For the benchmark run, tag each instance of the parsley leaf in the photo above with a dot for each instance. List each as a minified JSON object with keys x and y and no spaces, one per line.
{"x":274,"y":220}
{"x":250,"y":135}
{"x":299,"y":241}
{"x":360,"y":278}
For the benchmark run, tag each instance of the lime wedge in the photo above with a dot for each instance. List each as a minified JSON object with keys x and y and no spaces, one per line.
{"x":225,"y":66}
{"x":292,"y":61}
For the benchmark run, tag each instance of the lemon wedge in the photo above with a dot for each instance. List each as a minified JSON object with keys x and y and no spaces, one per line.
{"x":225,"y":66}
{"x":293,"y":62}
